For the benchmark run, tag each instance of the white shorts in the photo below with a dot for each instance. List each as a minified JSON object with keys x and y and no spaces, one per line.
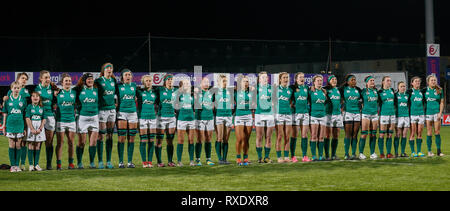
{"x":14,"y":135}
{"x":335,"y":121}
{"x":87,"y":123}
{"x":433,"y":117}
{"x":147,"y":124}
{"x":262,"y":120}
{"x":352,"y":117}
{"x":403,"y":122}
{"x":186,"y":125}
{"x":64,"y":126}
{"x":107,"y":116}
{"x":420,"y":119}
{"x":281,"y":119}
{"x":50,"y":123}
{"x":166,"y":122}
{"x":130,"y":117}
{"x":318,"y":121}
{"x":227,"y":120}
{"x":386,"y":120}
{"x":301,"y":119}
{"x":205,"y":125}
{"x":246,"y":120}
{"x":373,"y":117}
{"x":36,"y":138}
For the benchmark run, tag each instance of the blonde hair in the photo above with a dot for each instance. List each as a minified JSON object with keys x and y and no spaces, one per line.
{"x":15,"y":83}
{"x":437,"y":87}
{"x":143,"y":79}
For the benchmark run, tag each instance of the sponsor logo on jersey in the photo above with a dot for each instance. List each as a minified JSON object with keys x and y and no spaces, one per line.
{"x":89,"y":100}
{"x":16,"y":111}
{"x":403,"y":104}
{"x":128,"y":97}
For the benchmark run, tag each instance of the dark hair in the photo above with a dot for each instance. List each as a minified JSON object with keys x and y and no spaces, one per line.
{"x":346,"y":79}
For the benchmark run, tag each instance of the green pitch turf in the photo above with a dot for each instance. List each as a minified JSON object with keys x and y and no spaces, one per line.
{"x":401,"y":174}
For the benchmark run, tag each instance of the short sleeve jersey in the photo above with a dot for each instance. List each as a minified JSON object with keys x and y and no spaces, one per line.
{"x":370,"y":101}
{"x":146,"y":104}
{"x":126,"y":93}
{"x":15,"y":108}
{"x":106,"y":92}
{"x":65,"y":101}
{"x":433,"y":100}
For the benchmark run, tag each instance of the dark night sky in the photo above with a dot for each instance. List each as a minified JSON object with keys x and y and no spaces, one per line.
{"x":284,"y":20}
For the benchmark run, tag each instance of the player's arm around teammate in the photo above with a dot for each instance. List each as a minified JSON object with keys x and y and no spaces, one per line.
{"x":87,"y":124}
{"x":243,"y":119}
{"x":127,"y":118}
{"x":334,"y":118}
{"x":13,"y":121}
{"x":351,"y":95}
{"x":283,"y":117}
{"x":224,"y":118}
{"x":46,"y":90}
{"x":166,"y":121}
{"x":107,"y":98}
{"x":402,"y":103}
{"x":417,"y":116}
{"x":369,"y":117}
{"x":388,"y":119}
{"x":318,"y":99}
{"x":205,"y":120}
{"x":36,"y":135}
{"x":264,"y":117}
{"x":184,"y":103}
{"x":434,"y":108}
{"x":147,"y":120}
{"x":65,"y":119}
{"x":301,"y":117}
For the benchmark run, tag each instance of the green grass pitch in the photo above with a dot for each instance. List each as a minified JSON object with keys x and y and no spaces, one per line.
{"x":401,"y":174}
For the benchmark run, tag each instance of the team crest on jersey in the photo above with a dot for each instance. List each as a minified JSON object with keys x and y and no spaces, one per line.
{"x":61,"y":95}
{"x":72,"y":96}
{"x":83,"y":92}
{"x":144,"y":95}
{"x":153,"y":95}
{"x":49,"y":91}
{"x":40,"y":110}
{"x":165,"y":93}
{"x":132,"y":88}
{"x":289,"y":92}
{"x":95,"y":93}
{"x":123,"y":89}
{"x":32,"y":110}
{"x":10,"y":104}
{"x":112,"y":83}
{"x":348,"y":91}
{"x":103,"y":84}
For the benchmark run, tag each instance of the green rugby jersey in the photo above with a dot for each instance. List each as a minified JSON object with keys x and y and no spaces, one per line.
{"x":433,"y":101}
{"x":186,"y":107}
{"x":15,"y":108}
{"x":317,"y":100}
{"x":352,"y":99}
{"x":417,"y":101}
{"x":284,"y":96}
{"x":126,"y":94}
{"x":264,"y":100}
{"x":333,"y":107}
{"x":65,"y":101}
{"x":223,"y":102}
{"x":402,"y":104}
{"x":370,"y":101}
{"x":88,"y":101}
{"x":243,"y":99}
{"x":386,"y":97}
{"x":146,"y":104}
{"x":205,"y":99}
{"x":47,"y":98}
{"x":106,"y":92}
{"x":301,"y":99}
{"x":165,"y":98}
{"x":34,"y":112}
